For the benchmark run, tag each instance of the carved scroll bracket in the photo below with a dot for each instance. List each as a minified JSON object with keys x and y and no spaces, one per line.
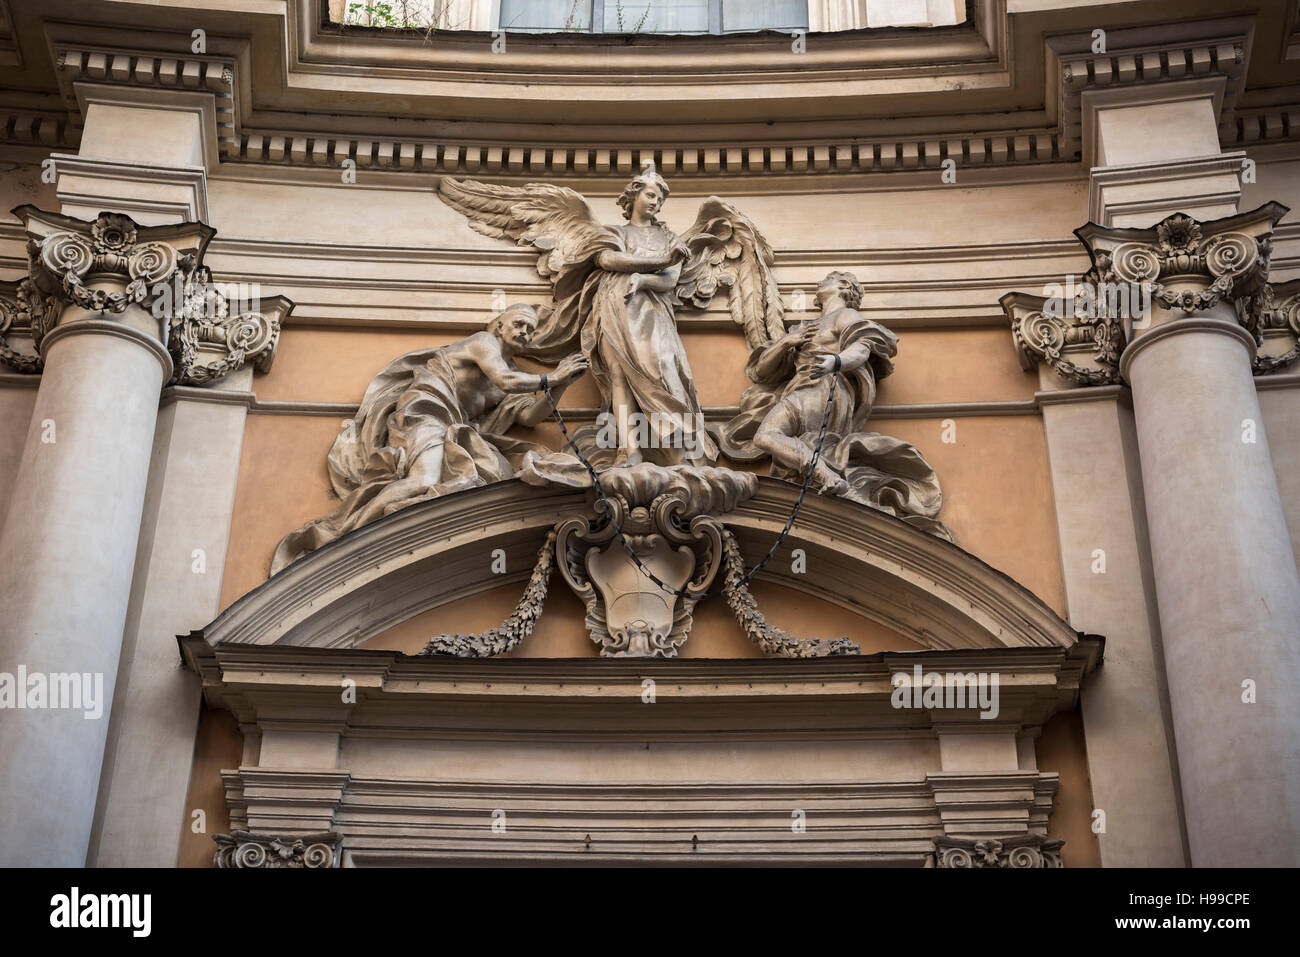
{"x":247,"y":849}
{"x":1144,"y":277}
{"x":1022,"y":851}
{"x":151,"y":277}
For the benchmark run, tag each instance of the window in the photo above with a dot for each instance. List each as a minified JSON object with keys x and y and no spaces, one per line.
{"x":653,"y":16}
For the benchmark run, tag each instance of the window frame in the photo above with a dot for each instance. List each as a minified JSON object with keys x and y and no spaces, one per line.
{"x":597,"y":8}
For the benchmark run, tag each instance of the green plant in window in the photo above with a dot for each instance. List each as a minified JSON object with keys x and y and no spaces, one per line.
{"x":622,"y":26}
{"x":372,"y":15}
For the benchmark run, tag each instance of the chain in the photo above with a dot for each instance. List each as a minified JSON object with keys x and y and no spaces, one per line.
{"x":627,"y":547}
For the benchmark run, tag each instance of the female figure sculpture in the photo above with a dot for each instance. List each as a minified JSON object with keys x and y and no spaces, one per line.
{"x":617,"y":289}
{"x":631,"y":336}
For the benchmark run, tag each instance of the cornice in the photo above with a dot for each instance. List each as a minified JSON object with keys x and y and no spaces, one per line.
{"x":557,"y":699}
{"x":864,"y":102}
{"x":1150,"y":56}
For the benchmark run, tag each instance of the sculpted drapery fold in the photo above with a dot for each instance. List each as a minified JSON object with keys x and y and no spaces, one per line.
{"x":416,"y":435}
{"x":782,"y":413}
{"x":435,"y":421}
{"x":616,"y":294}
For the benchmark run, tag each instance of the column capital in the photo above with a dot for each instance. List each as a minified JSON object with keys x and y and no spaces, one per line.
{"x":246,"y":849}
{"x":1143,"y":279}
{"x":150,"y":279}
{"x":1020,"y":851}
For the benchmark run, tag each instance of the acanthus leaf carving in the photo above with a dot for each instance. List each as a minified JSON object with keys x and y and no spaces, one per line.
{"x":1017,"y":853}
{"x":1181,"y":265}
{"x":157,"y":269}
{"x":246,"y":849}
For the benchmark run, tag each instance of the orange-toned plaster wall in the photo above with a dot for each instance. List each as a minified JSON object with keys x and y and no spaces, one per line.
{"x":218,"y":744}
{"x":1061,"y":748}
{"x":994,"y":469}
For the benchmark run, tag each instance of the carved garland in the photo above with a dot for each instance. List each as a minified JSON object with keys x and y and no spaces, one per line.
{"x":204,"y":317}
{"x":773,"y":640}
{"x":712,"y":544}
{"x":497,"y":641}
{"x":1262,"y":313}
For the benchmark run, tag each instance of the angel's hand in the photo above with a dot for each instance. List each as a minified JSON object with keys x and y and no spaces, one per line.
{"x":633,"y":285}
{"x":680,"y":252}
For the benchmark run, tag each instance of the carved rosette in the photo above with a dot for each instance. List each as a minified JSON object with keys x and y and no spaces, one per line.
{"x":111,"y":265}
{"x":246,"y":849}
{"x":1180,"y":265}
{"x":1022,"y":851}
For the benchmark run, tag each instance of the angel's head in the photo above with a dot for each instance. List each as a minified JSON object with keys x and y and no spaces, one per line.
{"x":514,"y":325}
{"x":644,"y":196}
{"x":843,"y":284}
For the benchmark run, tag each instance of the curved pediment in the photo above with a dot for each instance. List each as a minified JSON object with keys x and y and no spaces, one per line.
{"x":921,"y":587}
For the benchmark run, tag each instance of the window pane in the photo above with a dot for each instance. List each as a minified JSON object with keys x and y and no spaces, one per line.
{"x":657,"y":16}
{"x":764,"y":15}
{"x":550,"y":15}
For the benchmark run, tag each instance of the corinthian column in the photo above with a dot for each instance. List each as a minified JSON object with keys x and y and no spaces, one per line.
{"x":115,"y":310}
{"x":1225,"y":573}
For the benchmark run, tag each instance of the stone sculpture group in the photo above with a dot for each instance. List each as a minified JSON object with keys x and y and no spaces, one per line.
{"x":435,"y":421}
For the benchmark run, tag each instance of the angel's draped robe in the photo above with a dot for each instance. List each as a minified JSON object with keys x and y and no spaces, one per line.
{"x":636,"y":335}
{"x":408,"y":408}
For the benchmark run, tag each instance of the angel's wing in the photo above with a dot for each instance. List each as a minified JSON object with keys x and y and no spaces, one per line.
{"x":553,"y":219}
{"x":729,"y":252}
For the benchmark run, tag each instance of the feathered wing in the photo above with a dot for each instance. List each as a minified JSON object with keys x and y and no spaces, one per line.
{"x":728,"y":252}
{"x":553,"y":219}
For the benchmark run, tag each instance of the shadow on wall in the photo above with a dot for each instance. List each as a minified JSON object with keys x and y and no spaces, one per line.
{"x":1061,"y":748}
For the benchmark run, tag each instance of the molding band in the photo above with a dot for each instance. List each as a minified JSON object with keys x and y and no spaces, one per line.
{"x":105,"y":327}
{"x":1094,"y":393}
{"x":1189,"y":324}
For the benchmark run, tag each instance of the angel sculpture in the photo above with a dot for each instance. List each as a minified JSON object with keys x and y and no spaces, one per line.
{"x":616,"y":291}
{"x":433,"y":422}
{"x":781,"y":414}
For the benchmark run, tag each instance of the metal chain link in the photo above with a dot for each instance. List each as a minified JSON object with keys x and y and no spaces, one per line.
{"x":785,"y":532}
